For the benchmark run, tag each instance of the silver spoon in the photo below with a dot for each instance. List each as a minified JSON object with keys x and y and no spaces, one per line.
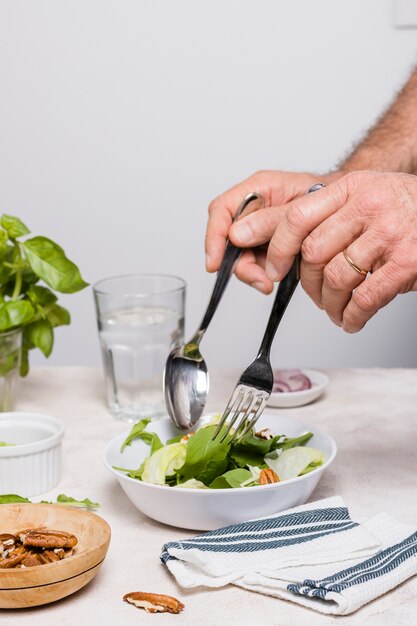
{"x":186,"y":379}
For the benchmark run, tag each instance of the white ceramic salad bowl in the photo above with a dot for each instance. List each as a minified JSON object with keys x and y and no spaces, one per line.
{"x":207,"y":509}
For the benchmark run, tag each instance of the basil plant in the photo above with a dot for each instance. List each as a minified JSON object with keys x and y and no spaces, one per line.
{"x":24,"y":303}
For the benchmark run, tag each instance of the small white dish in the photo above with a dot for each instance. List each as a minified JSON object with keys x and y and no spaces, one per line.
{"x":206,"y":509}
{"x":32,"y":464}
{"x":286,"y":400}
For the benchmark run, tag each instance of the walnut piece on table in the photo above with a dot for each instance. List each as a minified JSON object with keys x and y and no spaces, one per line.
{"x":154,"y":602}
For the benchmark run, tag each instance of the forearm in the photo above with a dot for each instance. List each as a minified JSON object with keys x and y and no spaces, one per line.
{"x":391,"y":145}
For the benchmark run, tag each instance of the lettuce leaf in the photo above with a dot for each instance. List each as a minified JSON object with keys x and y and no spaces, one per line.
{"x":192,"y":484}
{"x":293,"y":461}
{"x":163,"y":463}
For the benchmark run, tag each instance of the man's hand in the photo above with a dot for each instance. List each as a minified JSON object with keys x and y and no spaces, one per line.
{"x":373,"y":216}
{"x":278,"y":188}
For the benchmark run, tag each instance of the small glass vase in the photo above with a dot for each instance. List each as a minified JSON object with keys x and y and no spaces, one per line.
{"x":10,"y":354}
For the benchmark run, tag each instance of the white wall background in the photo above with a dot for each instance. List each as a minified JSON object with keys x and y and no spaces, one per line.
{"x":120,"y":120}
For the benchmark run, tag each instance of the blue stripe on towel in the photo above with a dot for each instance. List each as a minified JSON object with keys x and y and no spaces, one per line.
{"x":257,"y":546}
{"x":251,"y":536}
{"x":291,"y":533}
{"x":375,"y":567}
{"x":291,"y":519}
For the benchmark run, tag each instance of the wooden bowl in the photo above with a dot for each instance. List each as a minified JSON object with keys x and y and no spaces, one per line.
{"x":41,"y":584}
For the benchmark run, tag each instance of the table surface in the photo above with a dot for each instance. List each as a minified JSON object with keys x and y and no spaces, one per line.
{"x":371,"y":413}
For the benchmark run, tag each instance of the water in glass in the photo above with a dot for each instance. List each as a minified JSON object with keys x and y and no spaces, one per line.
{"x":135,"y":343}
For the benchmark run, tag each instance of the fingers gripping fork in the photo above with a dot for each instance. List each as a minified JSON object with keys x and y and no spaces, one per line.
{"x":254,"y":387}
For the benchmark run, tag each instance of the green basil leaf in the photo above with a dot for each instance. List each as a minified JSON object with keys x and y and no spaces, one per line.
{"x":15,"y":313}
{"x":135,"y":432}
{"x":41,"y":334}
{"x":205,"y":459}
{"x":24,"y":359}
{"x":38,"y":294}
{"x":9,"y":362}
{"x":3,"y":244}
{"x":232,"y":478}
{"x":14,"y":226}
{"x":28,"y":279}
{"x":11,"y":498}
{"x":57,"y":315}
{"x":49,"y":262}
{"x":6,"y":271}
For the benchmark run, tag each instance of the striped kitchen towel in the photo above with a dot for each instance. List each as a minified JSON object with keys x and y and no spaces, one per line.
{"x":314,"y":555}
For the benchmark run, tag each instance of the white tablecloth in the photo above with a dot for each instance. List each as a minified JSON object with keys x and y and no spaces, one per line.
{"x":371,"y":413}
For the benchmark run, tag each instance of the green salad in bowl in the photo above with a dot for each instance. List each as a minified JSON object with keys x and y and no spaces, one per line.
{"x":193,"y":482}
{"x":195,"y":461}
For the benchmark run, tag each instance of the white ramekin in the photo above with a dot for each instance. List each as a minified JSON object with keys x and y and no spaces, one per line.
{"x":33,"y":464}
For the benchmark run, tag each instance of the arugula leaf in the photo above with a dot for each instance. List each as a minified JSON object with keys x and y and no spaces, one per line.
{"x":205,"y":459}
{"x":49,"y":262}
{"x":251,"y":450}
{"x":232,"y":478}
{"x":242,"y":457}
{"x":151,"y":439}
{"x":14,"y":226}
{"x":287,"y":443}
{"x":11,"y":498}
{"x":131,"y":472}
{"x":174,"y":440}
{"x":85,"y":504}
{"x":135,"y":432}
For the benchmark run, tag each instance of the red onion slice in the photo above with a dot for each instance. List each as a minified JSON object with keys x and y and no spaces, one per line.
{"x":290,"y":380}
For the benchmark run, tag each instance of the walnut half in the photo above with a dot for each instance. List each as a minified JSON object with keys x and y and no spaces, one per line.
{"x":268,"y":476}
{"x":154,"y":602}
{"x":47,"y":539}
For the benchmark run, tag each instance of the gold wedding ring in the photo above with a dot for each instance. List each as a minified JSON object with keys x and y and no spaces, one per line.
{"x":353,"y":264}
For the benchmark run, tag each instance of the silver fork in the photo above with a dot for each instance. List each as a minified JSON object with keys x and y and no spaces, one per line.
{"x":255,"y":384}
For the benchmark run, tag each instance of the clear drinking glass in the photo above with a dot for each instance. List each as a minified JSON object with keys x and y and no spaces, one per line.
{"x":140,"y":319}
{"x":10,"y":355}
